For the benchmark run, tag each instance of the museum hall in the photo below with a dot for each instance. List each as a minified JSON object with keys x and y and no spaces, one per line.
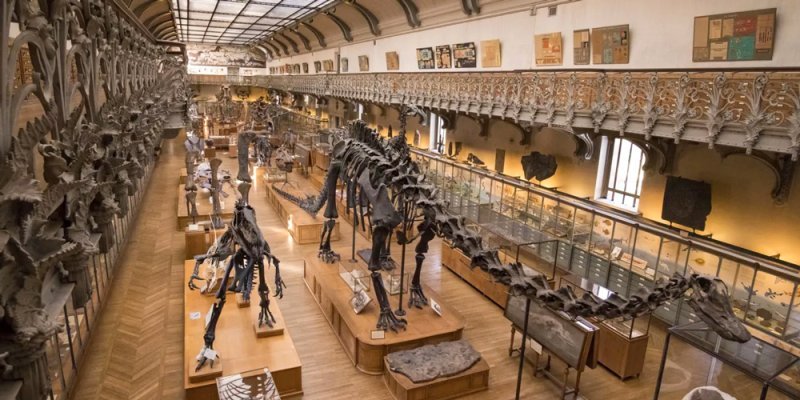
{"x":400,"y":200}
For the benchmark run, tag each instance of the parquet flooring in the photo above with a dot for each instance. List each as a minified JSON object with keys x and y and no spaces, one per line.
{"x":137,"y":351}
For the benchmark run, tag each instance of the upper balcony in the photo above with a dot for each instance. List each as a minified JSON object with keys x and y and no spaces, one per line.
{"x":752,"y":110}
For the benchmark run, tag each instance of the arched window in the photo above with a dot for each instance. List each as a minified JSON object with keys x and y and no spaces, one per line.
{"x":438,"y":134}
{"x":620,"y":173}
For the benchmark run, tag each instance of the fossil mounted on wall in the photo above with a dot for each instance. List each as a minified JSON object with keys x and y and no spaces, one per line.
{"x":539,"y":166}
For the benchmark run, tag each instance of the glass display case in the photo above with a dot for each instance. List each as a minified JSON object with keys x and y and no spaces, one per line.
{"x":699,"y":357}
{"x":614,"y":249}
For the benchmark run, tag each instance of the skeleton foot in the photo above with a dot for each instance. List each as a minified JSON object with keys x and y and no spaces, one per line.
{"x":206,"y":354}
{"x":265,"y":316}
{"x":417,"y":297}
{"x":192,"y":286}
{"x":328,"y":256}
{"x":388,"y":321}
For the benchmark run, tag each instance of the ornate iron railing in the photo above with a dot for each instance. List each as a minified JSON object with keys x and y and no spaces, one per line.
{"x":97,"y":93}
{"x":749,"y":109}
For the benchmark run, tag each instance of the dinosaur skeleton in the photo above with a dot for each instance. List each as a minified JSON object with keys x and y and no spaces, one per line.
{"x":382,"y":173}
{"x":245,"y":248}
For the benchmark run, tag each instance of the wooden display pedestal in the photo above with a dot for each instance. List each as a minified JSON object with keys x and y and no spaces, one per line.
{"x":240,"y":350}
{"x":265,"y":331}
{"x":182,"y":176}
{"x":303,"y":227}
{"x":196,"y":242}
{"x":621,"y":355}
{"x":457,"y":262}
{"x":210,"y":152}
{"x":207,"y":373}
{"x":240,"y":301}
{"x":355,"y":330}
{"x":203,"y":208}
{"x":472,"y":380}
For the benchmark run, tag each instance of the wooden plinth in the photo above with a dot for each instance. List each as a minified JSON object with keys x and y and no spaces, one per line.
{"x":303,"y":227}
{"x":320,"y":160}
{"x":239,"y":349}
{"x":240,"y":301}
{"x":203,"y":208}
{"x":182,"y":176}
{"x":457,"y":262}
{"x":623,"y":356}
{"x":472,"y":380}
{"x":266,"y":331}
{"x":196,"y":242}
{"x":210,"y":152}
{"x":354,"y":331}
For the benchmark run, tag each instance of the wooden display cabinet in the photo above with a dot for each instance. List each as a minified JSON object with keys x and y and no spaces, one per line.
{"x":622,"y":344}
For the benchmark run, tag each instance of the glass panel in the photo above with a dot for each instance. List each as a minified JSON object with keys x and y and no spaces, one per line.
{"x":496,"y":196}
{"x":601,"y":236}
{"x":582,"y":228}
{"x":702,"y":262}
{"x":729,"y":273}
{"x":533,"y":215}
{"x":550,"y":216}
{"x":646,"y":253}
{"x":793,"y":326}
{"x":769,"y":304}
{"x":565,"y":216}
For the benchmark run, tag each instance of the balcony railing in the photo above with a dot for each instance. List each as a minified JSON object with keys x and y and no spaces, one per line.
{"x":752,"y":110}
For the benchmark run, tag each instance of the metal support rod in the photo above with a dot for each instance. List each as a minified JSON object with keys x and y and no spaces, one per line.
{"x":662,"y":365}
{"x":522,"y":347}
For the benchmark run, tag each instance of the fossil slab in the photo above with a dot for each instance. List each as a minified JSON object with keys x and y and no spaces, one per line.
{"x":433,"y":361}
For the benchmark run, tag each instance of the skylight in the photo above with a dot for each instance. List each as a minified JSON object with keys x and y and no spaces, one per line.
{"x":238,"y":22}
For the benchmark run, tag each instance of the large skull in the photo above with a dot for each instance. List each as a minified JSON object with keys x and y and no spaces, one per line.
{"x":711,"y":301}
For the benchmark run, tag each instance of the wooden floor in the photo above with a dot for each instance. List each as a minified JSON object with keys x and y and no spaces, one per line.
{"x":137,"y":350}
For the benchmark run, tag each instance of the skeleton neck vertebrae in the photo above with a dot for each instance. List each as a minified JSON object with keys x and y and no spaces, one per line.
{"x":382,"y":181}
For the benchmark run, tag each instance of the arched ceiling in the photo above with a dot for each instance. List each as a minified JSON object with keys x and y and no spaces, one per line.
{"x":288,"y":27}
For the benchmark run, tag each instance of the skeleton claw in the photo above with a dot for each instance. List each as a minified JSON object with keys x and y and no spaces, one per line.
{"x":388,"y":321}
{"x":417,"y":297}
{"x":201,"y":359}
{"x":192,"y":286}
{"x":329,"y":256}
{"x":265,"y":317}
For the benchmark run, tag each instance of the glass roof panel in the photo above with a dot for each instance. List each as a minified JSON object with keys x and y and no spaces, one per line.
{"x":238,"y":21}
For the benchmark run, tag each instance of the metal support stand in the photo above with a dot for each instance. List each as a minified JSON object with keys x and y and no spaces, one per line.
{"x":522,"y":347}
{"x":662,"y":365}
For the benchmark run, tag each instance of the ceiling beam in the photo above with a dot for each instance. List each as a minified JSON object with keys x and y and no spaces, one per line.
{"x":372,"y":20}
{"x":274,"y":48}
{"x":266,"y":50}
{"x":291,"y":42}
{"x":156,"y":19}
{"x":302,"y":37}
{"x":320,"y":37}
{"x":283,"y":46}
{"x":412,"y":12}
{"x":142,"y":8}
{"x":159,"y":29}
{"x":348,"y":36}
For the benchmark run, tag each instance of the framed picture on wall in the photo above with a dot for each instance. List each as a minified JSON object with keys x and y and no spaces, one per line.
{"x":611,"y":45}
{"x":548,"y":49}
{"x":738,"y":36}
{"x":317,"y":66}
{"x":425,"y":58}
{"x":444,"y":57}
{"x":490,"y":54}
{"x":327,"y":65}
{"x":345,"y":64}
{"x":363,"y":63}
{"x":392,"y":61}
{"x":305,"y":68}
{"x":465,"y":55}
{"x":581,"y":49}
